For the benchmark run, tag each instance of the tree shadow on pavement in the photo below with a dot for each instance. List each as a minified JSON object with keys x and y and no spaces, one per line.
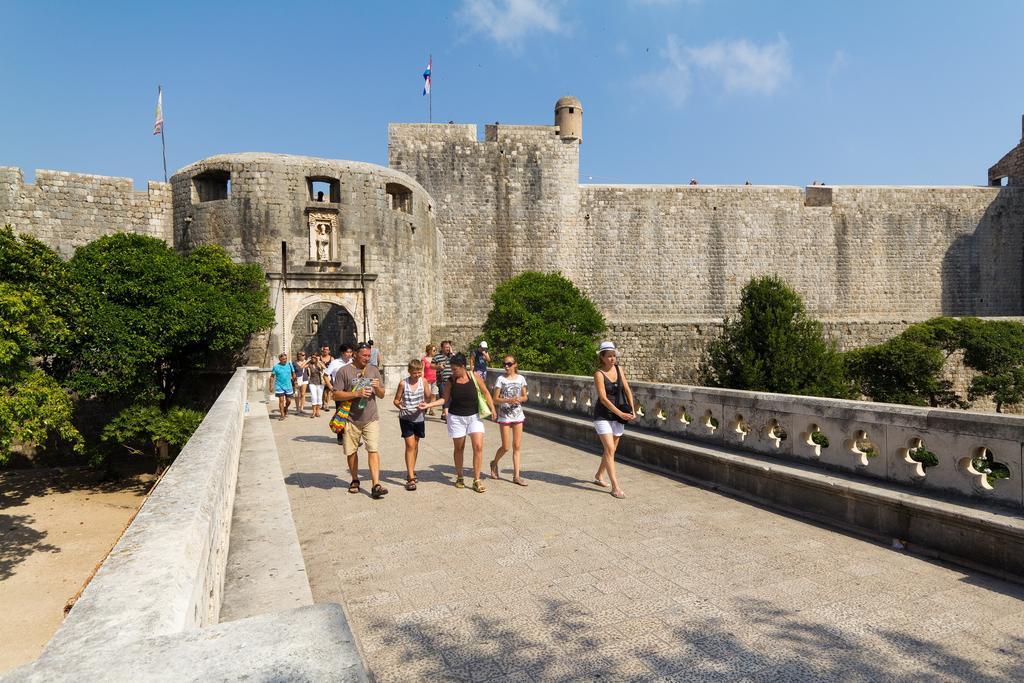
{"x":688,"y":641}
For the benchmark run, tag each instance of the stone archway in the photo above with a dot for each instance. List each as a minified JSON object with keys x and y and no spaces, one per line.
{"x":322,"y":324}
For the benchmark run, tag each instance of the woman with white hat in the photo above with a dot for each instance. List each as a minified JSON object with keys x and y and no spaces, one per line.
{"x":613,"y":410}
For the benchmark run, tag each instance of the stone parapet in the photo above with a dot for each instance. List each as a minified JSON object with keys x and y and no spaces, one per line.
{"x":874,"y":441}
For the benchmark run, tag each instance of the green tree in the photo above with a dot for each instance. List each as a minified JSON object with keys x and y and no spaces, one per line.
{"x":546,"y":322}
{"x":151,"y":315}
{"x":904,"y":370}
{"x":995,"y":348}
{"x":773,"y":345}
{"x":35,"y":299}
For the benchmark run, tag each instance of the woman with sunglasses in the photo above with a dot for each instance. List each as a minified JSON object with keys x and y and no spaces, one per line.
{"x":613,"y":410}
{"x":510,"y":394}
{"x":460,"y":395}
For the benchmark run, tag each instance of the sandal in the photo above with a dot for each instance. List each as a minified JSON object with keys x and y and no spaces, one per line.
{"x":601,"y":482}
{"x":494,"y":470}
{"x":520,"y":482}
{"x":410,"y":485}
{"x":354,"y":486}
{"x":478,"y":486}
{"x":378,"y":491}
{"x":460,"y":483}
{"x":618,"y":494}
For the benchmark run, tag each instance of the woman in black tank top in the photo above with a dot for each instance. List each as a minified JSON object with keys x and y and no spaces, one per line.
{"x":460,"y":395}
{"x":614,"y":409}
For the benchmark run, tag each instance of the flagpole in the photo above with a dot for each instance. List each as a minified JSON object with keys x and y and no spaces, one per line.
{"x":163,"y":143}
{"x":430,"y":95}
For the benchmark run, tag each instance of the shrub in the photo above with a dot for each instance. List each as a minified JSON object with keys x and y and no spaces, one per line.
{"x":148,"y":429}
{"x":772,"y":345}
{"x":904,"y":370}
{"x":546,"y":322}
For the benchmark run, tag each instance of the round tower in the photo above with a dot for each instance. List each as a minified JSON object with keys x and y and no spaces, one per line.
{"x":569,"y":118}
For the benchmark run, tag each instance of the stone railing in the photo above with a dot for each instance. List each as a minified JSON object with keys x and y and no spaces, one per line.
{"x":151,"y":612}
{"x":978,"y":455}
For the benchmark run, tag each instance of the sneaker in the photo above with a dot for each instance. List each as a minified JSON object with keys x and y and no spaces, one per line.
{"x":460,"y":483}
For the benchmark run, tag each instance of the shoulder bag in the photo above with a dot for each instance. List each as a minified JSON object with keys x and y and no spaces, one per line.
{"x":481,"y":402}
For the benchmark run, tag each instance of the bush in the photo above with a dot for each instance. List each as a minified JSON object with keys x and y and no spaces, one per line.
{"x":901,"y":370}
{"x":545,"y":322}
{"x":148,"y":429}
{"x":772,"y":345}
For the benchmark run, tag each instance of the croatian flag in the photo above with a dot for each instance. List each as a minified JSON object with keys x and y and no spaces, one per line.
{"x":426,"y":77}
{"x":158,"y":127}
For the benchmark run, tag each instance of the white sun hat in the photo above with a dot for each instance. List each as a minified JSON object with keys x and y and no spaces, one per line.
{"x":606,"y":346}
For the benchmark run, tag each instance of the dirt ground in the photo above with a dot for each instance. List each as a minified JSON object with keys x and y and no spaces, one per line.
{"x":56,"y":525}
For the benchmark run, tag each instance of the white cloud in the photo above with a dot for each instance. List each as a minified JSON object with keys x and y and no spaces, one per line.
{"x":738,"y":67}
{"x":509,"y":21}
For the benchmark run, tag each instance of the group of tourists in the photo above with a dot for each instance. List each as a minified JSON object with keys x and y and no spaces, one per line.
{"x":440,"y":379}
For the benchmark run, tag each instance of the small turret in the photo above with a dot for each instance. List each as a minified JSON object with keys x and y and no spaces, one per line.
{"x":569,"y":118}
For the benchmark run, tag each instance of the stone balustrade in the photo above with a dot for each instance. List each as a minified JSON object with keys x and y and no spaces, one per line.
{"x":927,"y":449}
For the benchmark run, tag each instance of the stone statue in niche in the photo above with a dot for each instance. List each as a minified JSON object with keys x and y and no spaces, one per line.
{"x":321,"y":235}
{"x":314,"y":323}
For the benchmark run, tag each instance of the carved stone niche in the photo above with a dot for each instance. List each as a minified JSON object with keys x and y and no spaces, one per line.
{"x":323,"y":230}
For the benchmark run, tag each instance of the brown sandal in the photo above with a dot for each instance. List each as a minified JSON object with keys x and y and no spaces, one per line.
{"x":410,"y":485}
{"x":354,"y":486}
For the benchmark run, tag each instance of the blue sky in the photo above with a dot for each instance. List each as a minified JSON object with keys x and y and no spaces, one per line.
{"x":771,"y":92}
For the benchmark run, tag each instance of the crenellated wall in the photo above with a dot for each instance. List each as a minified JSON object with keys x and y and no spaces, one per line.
{"x":66,"y":210}
{"x":665,"y":263}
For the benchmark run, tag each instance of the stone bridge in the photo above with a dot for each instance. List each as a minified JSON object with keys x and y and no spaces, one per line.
{"x":741,"y":552}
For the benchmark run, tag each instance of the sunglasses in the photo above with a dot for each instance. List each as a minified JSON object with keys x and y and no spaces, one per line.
{"x":509,"y":364}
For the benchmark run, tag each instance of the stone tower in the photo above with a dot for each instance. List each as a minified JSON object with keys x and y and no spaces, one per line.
{"x":569,"y":118}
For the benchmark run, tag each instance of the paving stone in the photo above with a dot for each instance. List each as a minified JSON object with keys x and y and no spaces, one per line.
{"x":558,"y":581}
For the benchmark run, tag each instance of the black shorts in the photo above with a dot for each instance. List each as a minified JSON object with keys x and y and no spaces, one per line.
{"x":410,"y":428}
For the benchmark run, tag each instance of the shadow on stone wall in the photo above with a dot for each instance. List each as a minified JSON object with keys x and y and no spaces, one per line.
{"x":974,"y":272}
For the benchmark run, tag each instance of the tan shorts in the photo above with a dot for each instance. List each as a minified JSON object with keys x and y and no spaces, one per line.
{"x":368,"y":434}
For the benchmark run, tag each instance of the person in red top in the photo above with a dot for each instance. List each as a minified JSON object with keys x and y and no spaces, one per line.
{"x":429,"y":373}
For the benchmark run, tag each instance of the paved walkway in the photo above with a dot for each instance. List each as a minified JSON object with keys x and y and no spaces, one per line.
{"x":560,"y":581}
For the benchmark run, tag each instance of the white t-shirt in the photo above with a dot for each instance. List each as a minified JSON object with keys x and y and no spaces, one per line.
{"x":507,"y":388}
{"x":335,"y":365}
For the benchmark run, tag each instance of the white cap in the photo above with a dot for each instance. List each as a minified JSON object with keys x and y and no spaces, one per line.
{"x":483,"y":345}
{"x":606,"y":346}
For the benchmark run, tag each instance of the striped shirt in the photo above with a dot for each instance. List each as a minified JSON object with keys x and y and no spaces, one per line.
{"x":412,"y":396}
{"x":444,"y":360}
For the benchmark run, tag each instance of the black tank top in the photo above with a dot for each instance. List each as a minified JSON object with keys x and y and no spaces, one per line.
{"x":613,"y":390}
{"x":463,"y":399}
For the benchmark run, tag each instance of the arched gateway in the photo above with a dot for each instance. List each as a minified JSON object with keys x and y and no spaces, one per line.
{"x":322,"y":324}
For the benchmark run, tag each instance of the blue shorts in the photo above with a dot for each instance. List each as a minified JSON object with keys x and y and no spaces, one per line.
{"x":410,"y":428}
{"x":284,"y":393}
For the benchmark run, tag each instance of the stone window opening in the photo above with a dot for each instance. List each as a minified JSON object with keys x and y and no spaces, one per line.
{"x":212,"y":185}
{"x":323,"y":189}
{"x":399,"y":197}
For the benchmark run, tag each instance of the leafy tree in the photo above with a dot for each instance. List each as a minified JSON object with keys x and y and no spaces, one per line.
{"x":546,"y":322}
{"x":147,"y":430}
{"x":903,"y":369}
{"x":772,"y":345}
{"x":35,"y":298}
{"x":151,"y":315}
{"x":995,"y":348}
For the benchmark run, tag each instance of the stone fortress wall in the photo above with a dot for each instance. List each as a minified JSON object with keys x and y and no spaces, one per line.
{"x":66,"y":210}
{"x":666,"y":263}
{"x":263,"y":208}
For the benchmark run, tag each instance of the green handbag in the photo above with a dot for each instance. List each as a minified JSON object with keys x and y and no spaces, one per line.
{"x":482,"y":408}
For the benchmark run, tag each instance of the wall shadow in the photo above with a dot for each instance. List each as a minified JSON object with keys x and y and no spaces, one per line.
{"x":983,"y":271}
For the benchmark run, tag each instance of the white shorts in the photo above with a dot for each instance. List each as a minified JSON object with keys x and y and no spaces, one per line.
{"x":609,"y":427}
{"x":316,"y":393}
{"x":301,"y":382}
{"x":460,"y":425}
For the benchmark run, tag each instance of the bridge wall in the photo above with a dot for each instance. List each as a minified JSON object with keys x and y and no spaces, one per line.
{"x":752,"y":421}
